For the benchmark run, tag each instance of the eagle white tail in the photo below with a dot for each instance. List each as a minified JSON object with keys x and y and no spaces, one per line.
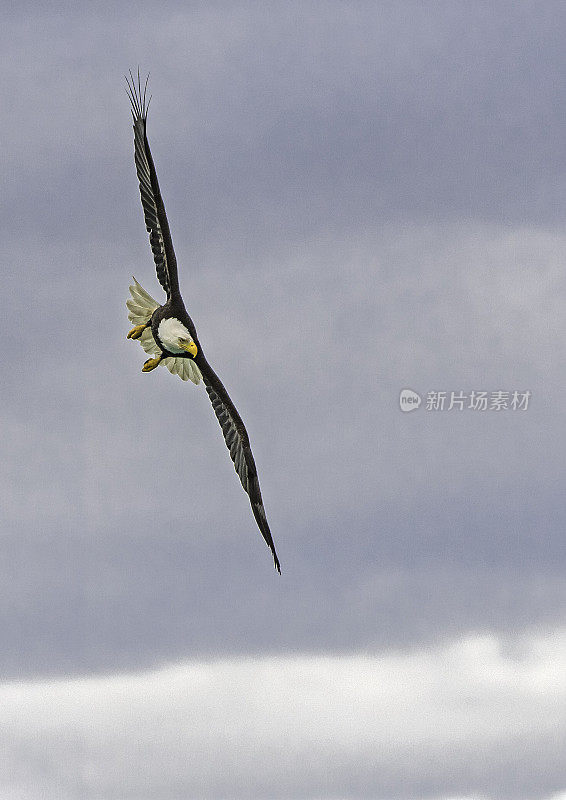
{"x":140,"y":308}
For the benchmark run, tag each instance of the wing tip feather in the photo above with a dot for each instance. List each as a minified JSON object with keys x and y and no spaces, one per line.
{"x":263,"y":525}
{"x":137,"y":96}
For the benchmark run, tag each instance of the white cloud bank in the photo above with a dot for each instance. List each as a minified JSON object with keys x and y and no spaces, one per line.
{"x":477,"y":718}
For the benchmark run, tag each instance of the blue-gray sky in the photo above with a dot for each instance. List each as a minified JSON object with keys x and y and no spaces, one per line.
{"x":363,"y":197}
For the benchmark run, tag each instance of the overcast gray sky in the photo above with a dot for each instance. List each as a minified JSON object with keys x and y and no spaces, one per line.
{"x":363,"y":197}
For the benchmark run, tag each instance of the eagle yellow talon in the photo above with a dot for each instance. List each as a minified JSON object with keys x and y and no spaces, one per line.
{"x":136,"y":332}
{"x":151,"y":363}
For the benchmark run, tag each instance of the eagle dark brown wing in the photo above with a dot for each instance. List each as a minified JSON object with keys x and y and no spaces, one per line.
{"x":238,"y":443}
{"x":152,"y":202}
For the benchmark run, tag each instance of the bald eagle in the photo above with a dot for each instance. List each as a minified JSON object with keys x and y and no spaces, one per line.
{"x":167,"y":333}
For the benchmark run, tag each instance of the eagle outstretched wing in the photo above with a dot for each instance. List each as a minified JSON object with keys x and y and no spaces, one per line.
{"x":152,"y":202}
{"x":238,"y":443}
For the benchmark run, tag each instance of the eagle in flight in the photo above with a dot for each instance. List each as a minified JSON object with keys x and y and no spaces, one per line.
{"x":167,"y":333}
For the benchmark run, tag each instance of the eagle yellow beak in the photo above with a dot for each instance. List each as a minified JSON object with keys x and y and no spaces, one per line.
{"x":190,"y":347}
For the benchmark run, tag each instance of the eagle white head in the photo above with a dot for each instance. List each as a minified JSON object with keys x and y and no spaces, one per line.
{"x":175,"y":337}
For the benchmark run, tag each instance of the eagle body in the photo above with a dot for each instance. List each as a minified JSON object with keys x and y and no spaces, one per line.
{"x":168,"y":333}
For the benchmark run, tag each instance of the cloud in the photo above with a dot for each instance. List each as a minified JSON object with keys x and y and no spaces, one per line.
{"x":362,"y":197}
{"x":127,"y":538}
{"x":315,"y":354}
{"x":480,"y":716}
